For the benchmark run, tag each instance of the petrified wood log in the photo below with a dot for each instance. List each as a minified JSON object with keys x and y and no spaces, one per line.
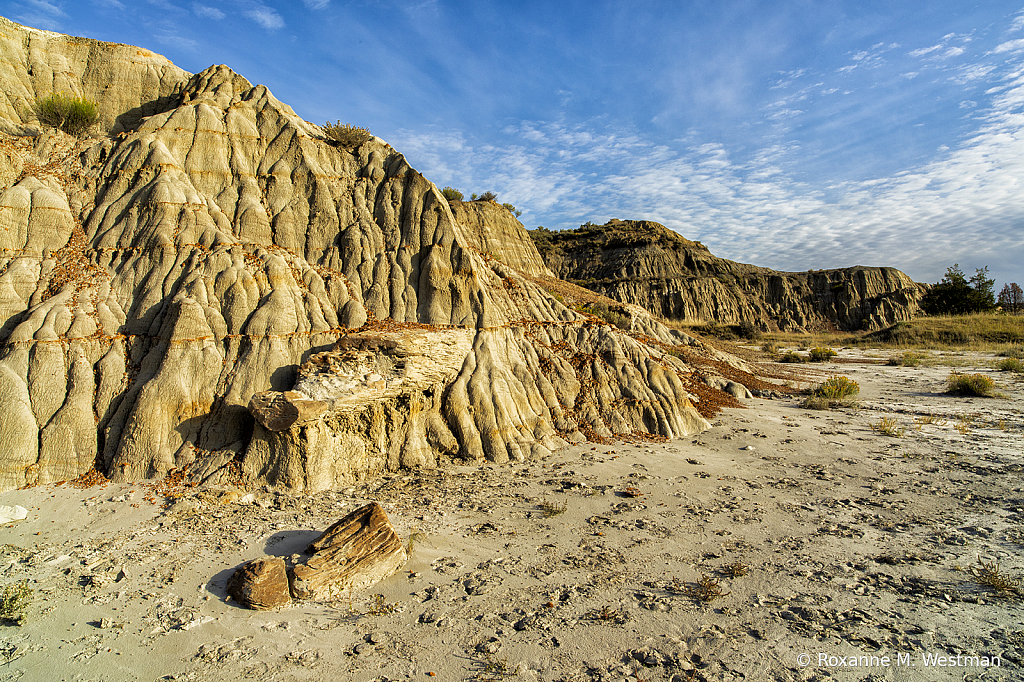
{"x":356,"y":552}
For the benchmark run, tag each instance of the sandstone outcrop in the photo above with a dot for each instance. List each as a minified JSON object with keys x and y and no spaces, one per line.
{"x":646,"y":264}
{"x":359,"y":550}
{"x":158,"y":282}
{"x":490,"y":228}
{"x":260,"y":584}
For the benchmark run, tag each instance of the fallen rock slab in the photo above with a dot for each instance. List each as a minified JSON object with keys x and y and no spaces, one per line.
{"x":260,"y":584}
{"x":359,"y":550}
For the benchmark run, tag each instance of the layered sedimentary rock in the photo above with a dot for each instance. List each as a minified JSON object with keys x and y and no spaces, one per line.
{"x":646,"y":264}
{"x":155,"y":279}
{"x":492,"y":229}
{"x":358,"y":551}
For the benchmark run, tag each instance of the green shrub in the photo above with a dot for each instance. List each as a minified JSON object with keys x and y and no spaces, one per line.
{"x":73,"y":115}
{"x":837,"y":391}
{"x":346,"y":135}
{"x":791,"y":356}
{"x":819,"y":354}
{"x":486,"y":196}
{"x":1011,"y":365}
{"x":601,"y":310}
{"x":970,"y":384}
{"x":512,"y":209}
{"x":908,"y":359}
{"x":748,"y":330}
{"x":838,"y":388}
{"x":451,"y":194}
{"x":14,"y":602}
{"x":769,"y":348}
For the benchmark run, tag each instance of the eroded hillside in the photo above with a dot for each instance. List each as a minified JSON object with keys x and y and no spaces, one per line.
{"x":209,"y":256}
{"x":646,"y":264}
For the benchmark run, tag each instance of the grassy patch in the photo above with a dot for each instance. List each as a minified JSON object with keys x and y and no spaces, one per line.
{"x":14,"y":602}
{"x":970,"y":384}
{"x":888,"y":426}
{"x":553,"y":508}
{"x":1010,"y":365}
{"x":981,"y":331}
{"x":907,"y":359}
{"x":792,"y":356}
{"x":991,"y":576}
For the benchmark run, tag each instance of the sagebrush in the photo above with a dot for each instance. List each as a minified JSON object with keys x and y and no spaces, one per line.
{"x":73,"y":115}
{"x":970,"y":384}
{"x":836,"y":391}
{"x":345,"y":134}
{"x":820,"y":354}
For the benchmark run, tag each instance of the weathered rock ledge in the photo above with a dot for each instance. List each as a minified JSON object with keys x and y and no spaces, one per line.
{"x":646,"y":264}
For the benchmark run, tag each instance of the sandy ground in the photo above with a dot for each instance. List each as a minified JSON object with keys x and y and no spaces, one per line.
{"x":855,"y":547}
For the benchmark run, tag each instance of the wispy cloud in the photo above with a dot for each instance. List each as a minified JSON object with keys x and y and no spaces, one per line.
{"x":207,"y":12}
{"x":267,"y":17}
{"x":962,"y":206}
{"x":39,"y":13}
{"x":316,"y":4}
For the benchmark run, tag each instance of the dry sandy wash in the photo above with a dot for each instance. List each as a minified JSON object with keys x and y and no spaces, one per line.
{"x":855,"y":544}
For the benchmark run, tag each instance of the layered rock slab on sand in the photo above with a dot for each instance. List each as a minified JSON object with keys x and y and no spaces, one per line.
{"x":359,"y":550}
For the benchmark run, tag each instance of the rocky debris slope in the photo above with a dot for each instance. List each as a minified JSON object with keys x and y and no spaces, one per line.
{"x":153,"y":281}
{"x":646,"y":264}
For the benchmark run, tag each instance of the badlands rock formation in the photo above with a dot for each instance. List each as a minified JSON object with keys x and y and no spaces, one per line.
{"x":209,"y":256}
{"x":646,"y":264}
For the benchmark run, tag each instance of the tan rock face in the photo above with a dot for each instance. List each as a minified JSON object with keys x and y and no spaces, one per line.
{"x":358,"y":551}
{"x":260,"y":584}
{"x":127,"y":82}
{"x":646,"y":264}
{"x":163,"y":290}
{"x":492,"y":229}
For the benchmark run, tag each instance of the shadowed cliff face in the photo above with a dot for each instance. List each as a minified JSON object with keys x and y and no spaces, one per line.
{"x":646,"y":264}
{"x":220,"y":258}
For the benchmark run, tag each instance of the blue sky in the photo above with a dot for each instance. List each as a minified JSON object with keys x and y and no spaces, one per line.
{"x":792,"y":134}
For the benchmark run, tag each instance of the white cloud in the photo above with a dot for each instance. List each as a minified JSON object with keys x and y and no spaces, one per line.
{"x":316,"y":4}
{"x":1010,"y":46}
{"x":207,"y":12}
{"x":176,"y":41}
{"x":265,"y":16}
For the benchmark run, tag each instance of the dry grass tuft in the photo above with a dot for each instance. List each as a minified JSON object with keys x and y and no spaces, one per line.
{"x":553,"y":508}
{"x":14,"y":602}
{"x":735,"y":569}
{"x":888,"y":426}
{"x":991,"y":576}
{"x":706,"y":589}
{"x":345,"y":134}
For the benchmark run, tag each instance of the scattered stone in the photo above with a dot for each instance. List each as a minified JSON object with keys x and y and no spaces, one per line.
{"x":260,"y":584}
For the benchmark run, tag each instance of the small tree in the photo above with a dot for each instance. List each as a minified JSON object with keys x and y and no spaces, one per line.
{"x":488,"y":196}
{"x":1011,"y":298}
{"x":956,"y":295}
{"x":512,"y":209}
{"x":73,"y":115}
{"x":451,"y":194}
